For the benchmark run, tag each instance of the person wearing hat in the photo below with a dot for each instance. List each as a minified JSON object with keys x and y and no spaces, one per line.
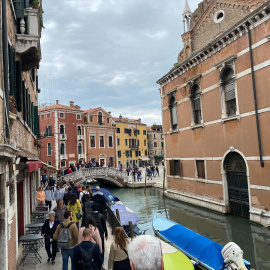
{"x":99,"y":198}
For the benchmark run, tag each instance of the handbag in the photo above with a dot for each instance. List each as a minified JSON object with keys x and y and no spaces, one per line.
{"x":78,"y":215}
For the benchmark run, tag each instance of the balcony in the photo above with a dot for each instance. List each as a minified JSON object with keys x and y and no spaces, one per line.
{"x":80,"y":137}
{"x":28,"y":40}
{"x":81,"y":156}
{"x":63,"y":137}
{"x":63,"y":156}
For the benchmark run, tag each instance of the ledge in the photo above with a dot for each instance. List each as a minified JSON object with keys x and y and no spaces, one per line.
{"x":7,"y":152}
{"x":197,"y":126}
{"x":235,"y":117}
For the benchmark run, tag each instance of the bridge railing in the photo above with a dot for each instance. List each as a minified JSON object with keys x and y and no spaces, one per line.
{"x":84,"y":173}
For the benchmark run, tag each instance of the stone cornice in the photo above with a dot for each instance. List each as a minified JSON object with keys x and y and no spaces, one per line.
{"x":99,"y":127}
{"x":231,"y":35}
{"x":7,"y":152}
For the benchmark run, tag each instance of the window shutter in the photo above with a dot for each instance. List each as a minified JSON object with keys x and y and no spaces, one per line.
{"x":28,"y":109}
{"x":19,"y":86}
{"x":229,"y":92}
{"x":33,"y":117}
{"x":19,"y":8}
{"x":197,"y":103}
{"x":46,"y":131}
{"x":171,"y":167}
{"x":174,"y":115}
{"x":26,"y":3}
{"x":36,"y":121}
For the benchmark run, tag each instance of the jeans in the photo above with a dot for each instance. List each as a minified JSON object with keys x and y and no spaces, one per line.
{"x":49,"y":203}
{"x":66,"y":253}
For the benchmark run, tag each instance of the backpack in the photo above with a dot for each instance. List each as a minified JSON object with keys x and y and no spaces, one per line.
{"x":87,"y":259}
{"x":84,"y":198}
{"x":88,"y":208}
{"x":64,"y":239}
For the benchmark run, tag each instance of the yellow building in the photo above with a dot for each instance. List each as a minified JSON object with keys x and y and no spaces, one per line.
{"x":131,"y":142}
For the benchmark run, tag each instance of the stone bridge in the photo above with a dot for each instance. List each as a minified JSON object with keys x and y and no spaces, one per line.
{"x":103,"y":174}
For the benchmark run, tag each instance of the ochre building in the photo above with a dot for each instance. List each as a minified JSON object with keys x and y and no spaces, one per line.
{"x":216,"y":110}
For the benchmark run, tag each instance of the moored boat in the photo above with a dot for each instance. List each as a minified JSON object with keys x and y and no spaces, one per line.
{"x":205,"y":252}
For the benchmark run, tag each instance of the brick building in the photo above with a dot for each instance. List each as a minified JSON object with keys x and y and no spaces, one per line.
{"x":62,"y":132}
{"x":216,"y":110}
{"x":155,"y":141}
{"x":100,"y":144}
{"x":19,"y":144}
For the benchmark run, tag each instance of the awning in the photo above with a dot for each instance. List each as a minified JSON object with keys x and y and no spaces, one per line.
{"x":159,"y":157}
{"x":145,"y":158}
{"x":48,"y":166}
{"x":34,"y":165}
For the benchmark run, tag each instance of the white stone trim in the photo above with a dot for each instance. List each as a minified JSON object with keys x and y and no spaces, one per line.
{"x":267,"y":158}
{"x":260,"y":187}
{"x":1,"y":93}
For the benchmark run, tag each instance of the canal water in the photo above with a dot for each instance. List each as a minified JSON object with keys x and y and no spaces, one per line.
{"x":252,"y":238}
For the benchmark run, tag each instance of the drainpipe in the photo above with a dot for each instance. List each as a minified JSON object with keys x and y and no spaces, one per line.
{"x":5,"y":65}
{"x":255,"y":94}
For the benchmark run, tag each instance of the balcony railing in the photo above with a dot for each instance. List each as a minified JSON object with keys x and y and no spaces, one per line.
{"x":63,"y":156}
{"x":63,"y":137}
{"x":80,"y":137}
{"x":28,"y":39}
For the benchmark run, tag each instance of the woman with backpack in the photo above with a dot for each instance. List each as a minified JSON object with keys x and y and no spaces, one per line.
{"x":49,"y":197}
{"x":91,"y":223}
{"x":118,"y":257}
{"x":74,"y":206}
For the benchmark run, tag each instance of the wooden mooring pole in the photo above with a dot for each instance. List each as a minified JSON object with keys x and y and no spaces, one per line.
{"x":145,"y":181}
{"x":164,"y":172}
{"x":132,"y":235}
{"x":118,"y":215}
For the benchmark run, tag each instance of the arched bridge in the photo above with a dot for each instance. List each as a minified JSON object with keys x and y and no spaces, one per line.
{"x":104,"y":174}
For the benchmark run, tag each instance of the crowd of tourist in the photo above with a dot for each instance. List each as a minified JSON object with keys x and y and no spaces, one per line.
{"x":85,"y":244}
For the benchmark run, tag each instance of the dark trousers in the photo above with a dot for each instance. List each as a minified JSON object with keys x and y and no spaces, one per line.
{"x":52,"y":188}
{"x":49,"y":203}
{"x":103,"y":248}
{"x":51,"y":254}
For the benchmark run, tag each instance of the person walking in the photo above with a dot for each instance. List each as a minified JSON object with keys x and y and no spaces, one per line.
{"x":118,"y":257}
{"x":87,"y":207}
{"x":157,"y":170}
{"x":74,"y":206}
{"x":87,"y":254}
{"x":91,"y":224}
{"x":47,"y":231}
{"x":67,"y":251}
{"x":51,"y":183}
{"x":83,"y":194}
{"x":59,"y":193}
{"x":49,"y":197}
{"x":60,"y":210}
{"x":101,"y":223}
{"x":68,"y":196}
{"x":41,"y":196}
{"x":99,"y":198}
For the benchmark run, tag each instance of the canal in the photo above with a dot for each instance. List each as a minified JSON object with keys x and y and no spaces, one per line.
{"x":252,"y":238}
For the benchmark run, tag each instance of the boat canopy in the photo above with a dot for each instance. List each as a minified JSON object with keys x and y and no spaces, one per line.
{"x":125,"y":214}
{"x":106,"y":193}
{"x":198,"y":246}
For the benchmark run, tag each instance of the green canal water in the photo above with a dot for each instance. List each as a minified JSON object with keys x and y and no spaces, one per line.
{"x":252,"y":238}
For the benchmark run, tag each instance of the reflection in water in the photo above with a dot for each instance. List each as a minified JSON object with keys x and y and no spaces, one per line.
{"x":252,"y":238}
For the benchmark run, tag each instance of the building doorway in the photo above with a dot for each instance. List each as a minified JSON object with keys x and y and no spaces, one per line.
{"x":236,"y":171}
{"x":20,"y":209}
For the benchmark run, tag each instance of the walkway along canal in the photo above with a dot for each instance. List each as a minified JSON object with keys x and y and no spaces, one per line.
{"x":252,"y":238}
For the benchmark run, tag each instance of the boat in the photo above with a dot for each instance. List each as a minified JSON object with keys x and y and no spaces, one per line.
{"x":205,"y":253}
{"x":174,"y":259}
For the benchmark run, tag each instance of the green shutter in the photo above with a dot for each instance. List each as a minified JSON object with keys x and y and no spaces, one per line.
{"x":32,"y":116}
{"x":11,"y":68}
{"x":19,"y":86}
{"x":19,"y":8}
{"x":36,"y":121}
{"x":24,"y":102}
{"x":28,"y":108}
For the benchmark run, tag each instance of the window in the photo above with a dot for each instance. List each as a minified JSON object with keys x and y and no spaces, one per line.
{"x":162,"y":144}
{"x":138,"y":143}
{"x":127,"y":153}
{"x":118,"y":142}
{"x":145,"y":152}
{"x":130,"y":153}
{"x":110,"y":141}
{"x":49,"y":162}
{"x":200,"y":168}
{"x":108,"y":120}
{"x":126,"y":142}
{"x":144,"y":132}
{"x":161,"y":136}
{"x":63,"y":163}
{"x":140,"y":154}
{"x":78,"y":116}
{"x":154,"y":135}
{"x":136,"y":132}
{"x":127,"y":131}
{"x":62,"y":115}
{"x":48,"y":130}
{"x":228,"y":84}
{"x":136,"y":153}
{"x":195,"y":99}
{"x":79,"y":130}
{"x":79,"y":148}
{"x":111,"y":161}
{"x":49,"y":149}
{"x":100,"y":118}
{"x":101,"y":141}
{"x":155,"y":144}
{"x":92,"y":141}
{"x":48,"y":116}
{"x":144,"y":142}
{"x":119,"y":154}
{"x":175,"y":167}
{"x":91,"y":118}
{"x":62,"y":149}
{"x":42,"y":117}
{"x":132,"y":143}
{"x":118,"y":130}
{"x":173,"y":112}
{"x":62,"y":129}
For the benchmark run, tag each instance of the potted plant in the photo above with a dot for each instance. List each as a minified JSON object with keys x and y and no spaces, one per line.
{"x":34,"y":4}
{"x":12,"y":104}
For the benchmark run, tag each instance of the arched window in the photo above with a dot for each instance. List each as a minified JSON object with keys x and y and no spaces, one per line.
{"x":79,"y":130}
{"x":100,"y":118}
{"x":195,"y":98}
{"x":228,"y":83}
{"x":49,"y":149}
{"x":62,"y":129}
{"x":79,"y":148}
{"x":173,"y":112}
{"x":62,"y":149}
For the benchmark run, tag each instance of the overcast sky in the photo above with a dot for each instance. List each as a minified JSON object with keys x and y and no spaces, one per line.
{"x":110,"y":53}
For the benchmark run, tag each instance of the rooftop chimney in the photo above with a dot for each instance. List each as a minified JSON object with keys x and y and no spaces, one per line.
{"x":109,"y":112}
{"x":57,"y":101}
{"x":120,"y":118}
{"x":71,"y":103}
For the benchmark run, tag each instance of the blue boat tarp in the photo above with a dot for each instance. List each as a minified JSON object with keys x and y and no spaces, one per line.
{"x":125,"y":215}
{"x":200,"y":247}
{"x":106,"y":193}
